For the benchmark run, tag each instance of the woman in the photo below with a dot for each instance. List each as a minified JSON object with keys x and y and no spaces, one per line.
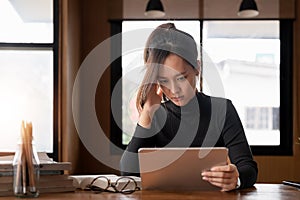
{"x":173,"y":113}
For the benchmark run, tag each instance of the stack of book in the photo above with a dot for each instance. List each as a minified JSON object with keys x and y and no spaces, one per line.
{"x":53,"y":176}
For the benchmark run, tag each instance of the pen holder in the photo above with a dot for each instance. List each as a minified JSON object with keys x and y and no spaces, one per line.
{"x":26,"y":167}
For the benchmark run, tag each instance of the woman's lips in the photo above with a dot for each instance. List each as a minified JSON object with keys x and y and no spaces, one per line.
{"x":179,"y":98}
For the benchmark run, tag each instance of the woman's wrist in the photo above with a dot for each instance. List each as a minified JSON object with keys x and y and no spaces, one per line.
{"x":146,"y":115}
{"x":145,"y":119}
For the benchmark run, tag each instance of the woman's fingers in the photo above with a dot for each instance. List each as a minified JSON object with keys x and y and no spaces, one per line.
{"x":159,"y":91}
{"x":224,"y":177}
{"x":153,"y":97}
{"x":224,"y":184}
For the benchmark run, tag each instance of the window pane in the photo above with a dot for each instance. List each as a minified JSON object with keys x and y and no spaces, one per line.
{"x":132,"y":65}
{"x":26,"y":21}
{"x":26,"y":85}
{"x":247,"y":56}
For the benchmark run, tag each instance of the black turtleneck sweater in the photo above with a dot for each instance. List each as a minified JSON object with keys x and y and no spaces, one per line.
{"x":204,"y":122}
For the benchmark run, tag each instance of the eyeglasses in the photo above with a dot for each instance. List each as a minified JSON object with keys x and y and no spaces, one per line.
{"x":124,"y":185}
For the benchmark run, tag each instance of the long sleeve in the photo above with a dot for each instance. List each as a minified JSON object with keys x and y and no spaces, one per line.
{"x":142,"y":137}
{"x":240,"y":154}
{"x":129,"y":163}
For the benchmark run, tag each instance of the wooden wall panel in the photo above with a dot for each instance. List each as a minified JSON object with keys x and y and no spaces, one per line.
{"x":188,"y":9}
{"x":210,"y":9}
{"x":115,"y":8}
{"x":272,"y":9}
{"x":68,"y":65}
{"x":287,"y":9}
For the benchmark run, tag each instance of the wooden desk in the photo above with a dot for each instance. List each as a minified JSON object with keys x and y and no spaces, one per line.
{"x":260,"y":191}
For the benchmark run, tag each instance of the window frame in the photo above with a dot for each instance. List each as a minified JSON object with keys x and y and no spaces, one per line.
{"x":45,"y":46}
{"x":286,"y":88}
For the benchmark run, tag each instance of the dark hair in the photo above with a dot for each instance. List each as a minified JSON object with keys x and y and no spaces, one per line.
{"x":166,"y":39}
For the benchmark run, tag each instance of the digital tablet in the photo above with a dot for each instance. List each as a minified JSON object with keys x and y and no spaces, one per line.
{"x":178,"y":168}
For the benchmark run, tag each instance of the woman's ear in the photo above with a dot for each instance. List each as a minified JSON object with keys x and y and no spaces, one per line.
{"x":198,"y":69}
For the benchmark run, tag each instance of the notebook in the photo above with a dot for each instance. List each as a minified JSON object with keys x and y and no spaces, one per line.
{"x":178,"y":168}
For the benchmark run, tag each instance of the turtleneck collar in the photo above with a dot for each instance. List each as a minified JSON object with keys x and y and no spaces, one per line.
{"x":190,"y":108}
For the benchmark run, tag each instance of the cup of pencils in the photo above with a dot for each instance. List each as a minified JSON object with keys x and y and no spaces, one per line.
{"x":26,"y":165}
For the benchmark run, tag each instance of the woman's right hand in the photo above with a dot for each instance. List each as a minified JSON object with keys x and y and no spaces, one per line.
{"x":152,"y":103}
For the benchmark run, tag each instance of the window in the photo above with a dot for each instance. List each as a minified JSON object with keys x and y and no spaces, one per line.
{"x":262,"y":118}
{"x":247,"y":56}
{"x":28,"y":71}
{"x":253,"y":59}
{"x":133,"y":61}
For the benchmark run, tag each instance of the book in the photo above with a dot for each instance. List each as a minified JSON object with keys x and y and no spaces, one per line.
{"x":46,"y":164}
{"x":42,"y":184}
{"x":6,"y":193}
{"x":42,"y":190}
{"x":42,"y":173}
{"x":47,"y":184}
{"x":6,"y":179}
{"x":82,"y":181}
{"x":43,"y":178}
{"x":52,"y":177}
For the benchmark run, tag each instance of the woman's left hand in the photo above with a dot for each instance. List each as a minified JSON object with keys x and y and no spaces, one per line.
{"x":225,"y":177}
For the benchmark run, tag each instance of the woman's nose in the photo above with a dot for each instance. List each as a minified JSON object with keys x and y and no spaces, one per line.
{"x":174,"y":87}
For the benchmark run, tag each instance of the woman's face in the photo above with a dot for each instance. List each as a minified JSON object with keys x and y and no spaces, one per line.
{"x":177,"y":80}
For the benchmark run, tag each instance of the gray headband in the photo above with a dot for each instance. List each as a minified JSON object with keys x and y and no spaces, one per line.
{"x":177,"y":42}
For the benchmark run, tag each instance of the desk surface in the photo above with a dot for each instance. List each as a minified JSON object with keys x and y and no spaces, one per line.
{"x":260,"y":191}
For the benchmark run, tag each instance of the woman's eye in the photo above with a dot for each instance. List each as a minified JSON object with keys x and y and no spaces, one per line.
{"x":181,"y":78}
{"x":163,"y":81}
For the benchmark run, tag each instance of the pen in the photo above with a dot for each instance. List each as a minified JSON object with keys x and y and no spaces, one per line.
{"x":292,"y":183}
